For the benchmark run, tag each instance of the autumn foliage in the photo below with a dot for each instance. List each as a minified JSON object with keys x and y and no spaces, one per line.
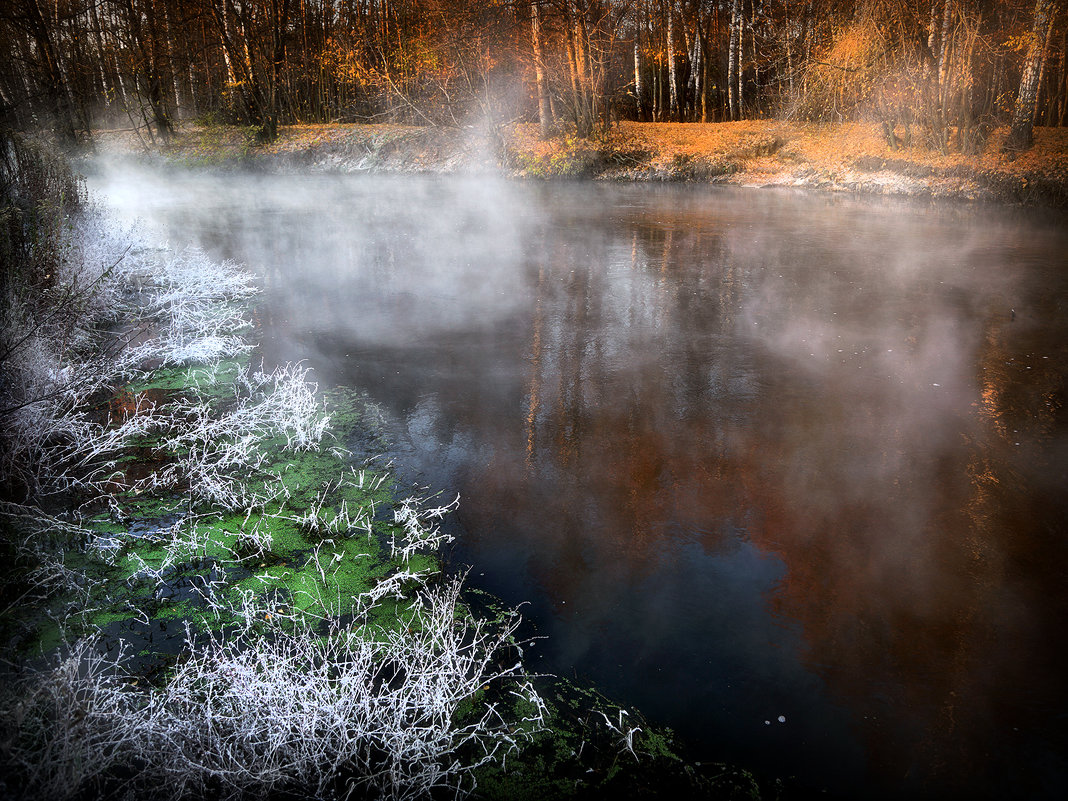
{"x":947,"y":72}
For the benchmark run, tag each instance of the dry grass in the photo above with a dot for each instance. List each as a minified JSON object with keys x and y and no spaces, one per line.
{"x":847,"y":156}
{"x":773,"y":149}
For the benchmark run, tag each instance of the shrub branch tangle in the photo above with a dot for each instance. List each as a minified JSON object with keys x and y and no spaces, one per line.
{"x":285,"y":707}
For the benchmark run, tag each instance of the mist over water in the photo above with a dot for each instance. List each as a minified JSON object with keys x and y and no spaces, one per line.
{"x":749,"y":456}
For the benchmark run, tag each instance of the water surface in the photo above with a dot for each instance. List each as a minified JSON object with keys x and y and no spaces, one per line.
{"x":785,"y":472}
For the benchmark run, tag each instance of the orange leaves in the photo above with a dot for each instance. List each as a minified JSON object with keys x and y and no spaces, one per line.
{"x":417,"y":57}
{"x":341,"y":60}
{"x":1019,"y":43}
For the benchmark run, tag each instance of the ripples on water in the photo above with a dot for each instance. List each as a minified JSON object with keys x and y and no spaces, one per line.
{"x":787,"y":473}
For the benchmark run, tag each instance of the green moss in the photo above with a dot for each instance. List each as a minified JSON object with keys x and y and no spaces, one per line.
{"x":104,"y":524}
{"x":577,"y":758}
{"x":219,"y":376}
{"x":346,"y":568}
{"x":658,"y":744}
{"x":140,"y":507}
{"x":548,"y":767}
{"x":49,"y":637}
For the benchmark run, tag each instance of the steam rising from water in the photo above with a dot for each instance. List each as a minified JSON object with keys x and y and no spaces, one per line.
{"x":749,"y":455}
{"x":440,"y":271}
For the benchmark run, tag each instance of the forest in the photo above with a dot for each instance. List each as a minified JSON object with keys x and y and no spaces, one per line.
{"x":946,"y":72}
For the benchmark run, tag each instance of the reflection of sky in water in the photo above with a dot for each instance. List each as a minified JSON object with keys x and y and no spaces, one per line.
{"x":700,"y":638}
{"x":747,"y":455}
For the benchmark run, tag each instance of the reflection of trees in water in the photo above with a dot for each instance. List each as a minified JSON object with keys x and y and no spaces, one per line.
{"x":679,"y":373}
{"x":892,"y":514}
{"x":917,"y":602}
{"x":604,"y":395}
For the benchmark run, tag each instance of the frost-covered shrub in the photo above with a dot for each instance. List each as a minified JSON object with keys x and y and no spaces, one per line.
{"x":420,"y":528}
{"x":190,"y":302}
{"x":54,"y":356}
{"x":380,"y":713}
{"x":213,"y":454}
{"x":55,"y":352}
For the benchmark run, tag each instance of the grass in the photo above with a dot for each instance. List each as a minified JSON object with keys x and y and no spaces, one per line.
{"x":848,"y":156}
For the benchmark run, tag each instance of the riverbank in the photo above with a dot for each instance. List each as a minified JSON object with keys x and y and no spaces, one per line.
{"x":849,"y":157}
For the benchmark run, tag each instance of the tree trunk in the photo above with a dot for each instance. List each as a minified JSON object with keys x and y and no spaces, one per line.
{"x":578,"y":110}
{"x":544,"y":111}
{"x":943,"y":56}
{"x":638,"y":76}
{"x":56,"y":88}
{"x":673,"y":67}
{"x":154,"y":71}
{"x":1021,"y":133}
{"x":1043,"y":62}
{"x":705,"y":75}
{"x":740,"y":60}
{"x":582,"y":61}
{"x":754,"y":61}
{"x":98,"y":39}
{"x":169,"y":38}
{"x":789,"y":62}
{"x":1063,"y":90}
{"x":252,"y":100}
{"x":734,"y":83}
{"x":279,"y":23}
{"x":145,"y":39}
{"x":695,"y":72}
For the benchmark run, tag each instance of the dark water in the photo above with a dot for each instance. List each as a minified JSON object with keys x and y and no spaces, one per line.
{"x":786,"y":473}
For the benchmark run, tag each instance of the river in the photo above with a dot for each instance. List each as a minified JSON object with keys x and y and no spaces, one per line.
{"x":785,"y":472}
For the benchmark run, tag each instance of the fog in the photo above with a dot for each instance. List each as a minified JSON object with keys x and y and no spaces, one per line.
{"x":747,"y":455}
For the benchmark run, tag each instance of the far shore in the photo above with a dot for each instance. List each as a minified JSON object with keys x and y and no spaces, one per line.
{"x":848,"y":157}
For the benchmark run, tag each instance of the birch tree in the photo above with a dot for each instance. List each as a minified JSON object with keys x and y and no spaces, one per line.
{"x":1021,"y":133}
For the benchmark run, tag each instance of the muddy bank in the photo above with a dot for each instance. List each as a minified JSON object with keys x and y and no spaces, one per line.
{"x":841,"y":158}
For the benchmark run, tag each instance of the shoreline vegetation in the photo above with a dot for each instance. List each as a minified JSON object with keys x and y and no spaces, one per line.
{"x":213,"y":589}
{"x":846,"y":157}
